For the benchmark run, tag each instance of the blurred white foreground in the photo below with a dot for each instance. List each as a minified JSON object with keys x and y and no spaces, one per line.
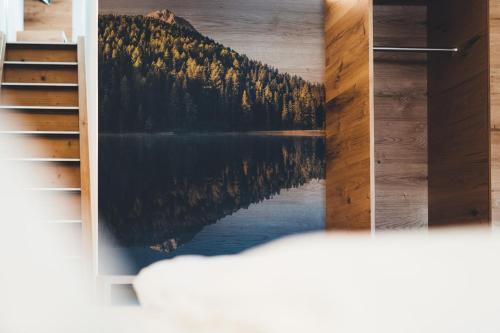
{"x":446,"y":281}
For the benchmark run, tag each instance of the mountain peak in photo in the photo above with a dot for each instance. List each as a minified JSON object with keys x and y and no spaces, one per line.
{"x":169,"y":17}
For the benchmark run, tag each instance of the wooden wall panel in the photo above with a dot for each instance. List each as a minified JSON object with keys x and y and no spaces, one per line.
{"x":349,"y":120}
{"x":400,"y":90}
{"x":57,"y":16}
{"x":459,"y":130}
{"x":495,"y":106}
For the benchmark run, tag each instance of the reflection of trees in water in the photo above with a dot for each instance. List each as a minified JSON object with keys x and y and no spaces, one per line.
{"x":164,"y":190}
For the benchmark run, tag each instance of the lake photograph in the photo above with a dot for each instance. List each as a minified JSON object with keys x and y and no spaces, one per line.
{"x":211,"y":127}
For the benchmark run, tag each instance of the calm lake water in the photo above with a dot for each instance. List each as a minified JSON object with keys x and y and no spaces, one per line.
{"x":161,"y":196}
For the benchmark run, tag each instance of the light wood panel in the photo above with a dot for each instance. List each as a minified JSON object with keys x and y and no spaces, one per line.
{"x":459,"y":154}
{"x":47,"y":53}
{"x":40,"y":74}
{"x":57,"y":16}
{"x":38,"y":120}
{"x":84,"y":157}
{"x":495,"y":107}
{"x":41,"y":36}
{"x":40,"y":146}
{"x":349,"y":121}
{"x":400,"y":90}
{"x":50,"y":174}
{"x":39,"y":96}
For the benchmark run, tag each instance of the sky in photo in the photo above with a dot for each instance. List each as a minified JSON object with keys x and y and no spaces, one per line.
{"x":286,"y":34}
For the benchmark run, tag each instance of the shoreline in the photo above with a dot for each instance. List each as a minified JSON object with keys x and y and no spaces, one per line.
{"x":296,"y":133}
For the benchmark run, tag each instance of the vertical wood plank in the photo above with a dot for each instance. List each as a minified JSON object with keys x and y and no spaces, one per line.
{"x":400,"y":90}
{"x":459,"y":132}
{"x":84,"y":154}
{"x":495,"y":107}
{"x":349,"y":116}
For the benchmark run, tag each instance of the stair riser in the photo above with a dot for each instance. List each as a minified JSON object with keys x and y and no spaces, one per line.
{"x":39,"y":146}
{"x":40,"y":53}
{"x":49,"y":174}
{"x":40,"y":96}
{"x":31,"y":120}
{"x":40,"y":74}
{"x":60,"y":206}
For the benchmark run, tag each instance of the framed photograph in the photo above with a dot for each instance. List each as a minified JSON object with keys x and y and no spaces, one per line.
{"x":211,"y":126}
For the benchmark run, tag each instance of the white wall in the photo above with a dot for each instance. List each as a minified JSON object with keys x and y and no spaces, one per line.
{"x":11,"y":17}
{"x":79,"y":18}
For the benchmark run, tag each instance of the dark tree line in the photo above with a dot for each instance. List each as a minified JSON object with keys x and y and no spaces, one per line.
{"x":154,"y":77}
{"x":172,"y":197}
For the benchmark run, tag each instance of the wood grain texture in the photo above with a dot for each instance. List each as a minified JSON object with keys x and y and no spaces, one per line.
{"x":47,"y":53}
{"x":459,"y":184}
{"x":84,"y":156}
{"x":39,"y":96}
{"x":57,"y":16}
{"x":349,"y":120}
{"x":40,"y":74}
{"x":495,"y":107}
{"x":36,"y":120}
{"x":40,"y":146}
{"x":400,"y":91}
{"x":50,"y":174}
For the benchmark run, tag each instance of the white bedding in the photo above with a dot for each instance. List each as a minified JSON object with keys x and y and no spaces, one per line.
{"x":445,"y":282}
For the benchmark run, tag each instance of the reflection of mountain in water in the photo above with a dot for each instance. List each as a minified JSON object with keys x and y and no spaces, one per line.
{"x":161,"y":190}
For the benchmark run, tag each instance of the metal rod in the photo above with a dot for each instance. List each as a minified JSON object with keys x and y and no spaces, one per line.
{"x":413,"y":49}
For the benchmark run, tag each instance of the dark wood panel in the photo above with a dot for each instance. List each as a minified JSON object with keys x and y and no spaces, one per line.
{"x":40,"y":74}
{"x":400,"y":26}
{"x":495,"y":107}
{"x":39,"y":96}
{"x":38,"y":120}
{"x":459,"y":184}
{"x":349,"y":119}
{"x":400,"y":89}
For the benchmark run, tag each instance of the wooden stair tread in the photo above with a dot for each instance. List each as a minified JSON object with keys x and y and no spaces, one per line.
{"x":34,"y":84}
{"x":38,"y":107}
{"x":14,"y":43}
{"x":40,"y":63}
{"x":43,"y":159}
{"x":55,"y":189}
{"x":41,"y":132}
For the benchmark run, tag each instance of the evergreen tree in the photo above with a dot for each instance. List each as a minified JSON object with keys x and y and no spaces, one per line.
{"x":157,"y":76}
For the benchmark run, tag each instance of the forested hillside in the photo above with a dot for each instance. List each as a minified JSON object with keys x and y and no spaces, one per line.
{"x":155,"y":76}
